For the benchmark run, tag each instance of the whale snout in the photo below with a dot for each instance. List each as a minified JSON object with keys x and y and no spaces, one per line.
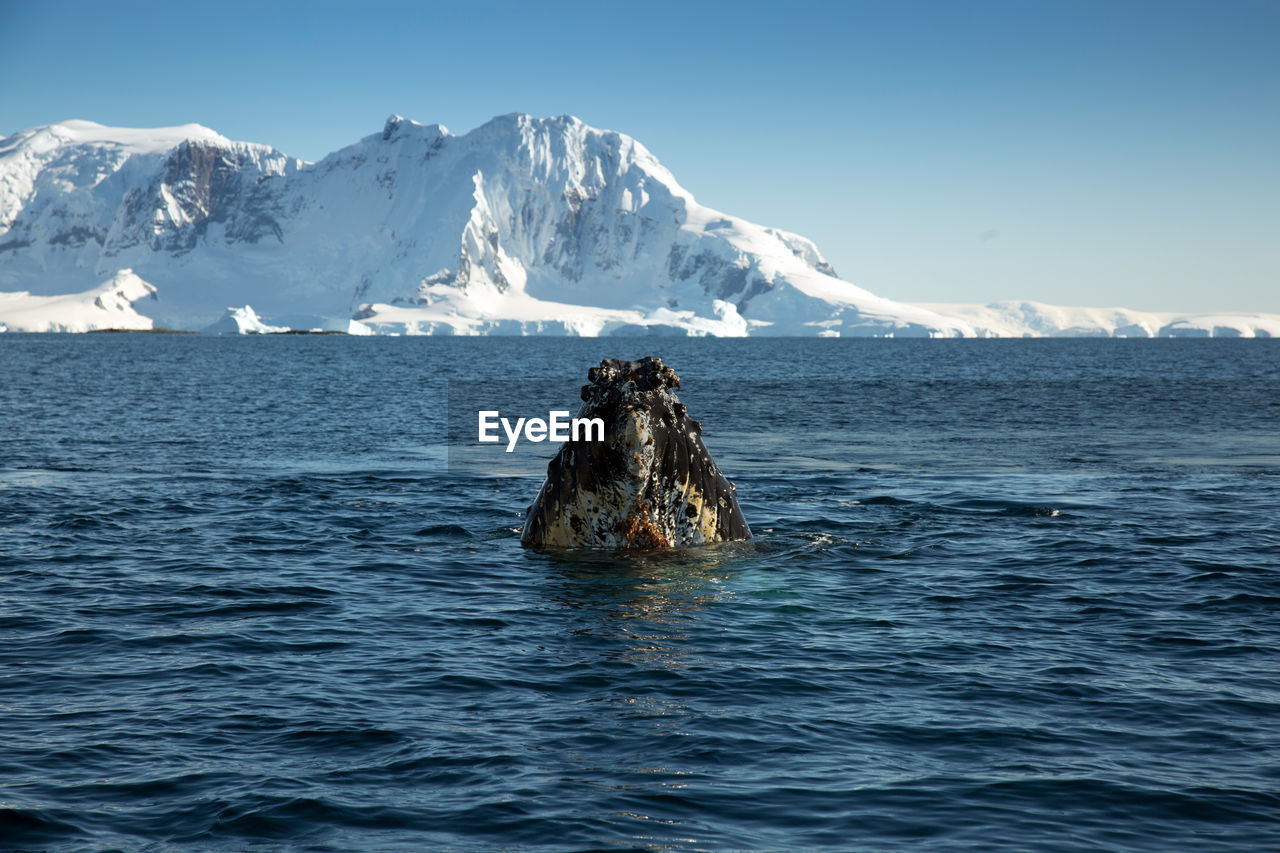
{"x":649,"y":484}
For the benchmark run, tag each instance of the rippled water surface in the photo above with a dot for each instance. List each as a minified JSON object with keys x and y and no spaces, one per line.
{"x":1004,"y":595}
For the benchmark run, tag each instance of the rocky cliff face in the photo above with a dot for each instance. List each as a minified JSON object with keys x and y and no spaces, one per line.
{"x":199,"y":185}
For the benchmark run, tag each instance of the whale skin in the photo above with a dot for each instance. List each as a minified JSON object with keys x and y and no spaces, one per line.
{"x":650,"y":483}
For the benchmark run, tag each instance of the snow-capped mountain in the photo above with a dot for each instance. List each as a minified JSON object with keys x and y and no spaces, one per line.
{"x":521,"y":226}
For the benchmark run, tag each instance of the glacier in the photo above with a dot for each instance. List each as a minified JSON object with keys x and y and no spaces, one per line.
{"x":110,"y":305}
{"x":521,"y":226}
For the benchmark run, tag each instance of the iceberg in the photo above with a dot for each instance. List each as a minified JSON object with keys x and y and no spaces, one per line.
{"x":243,"y":321}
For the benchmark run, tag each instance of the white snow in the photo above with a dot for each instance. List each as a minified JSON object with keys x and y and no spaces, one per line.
{"x":521,"y":314}
{"x":150,"y":140}
{"x":107,"y":306}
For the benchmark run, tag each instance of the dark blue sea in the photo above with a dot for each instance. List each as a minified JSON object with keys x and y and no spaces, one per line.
{"x":1003,"y":596}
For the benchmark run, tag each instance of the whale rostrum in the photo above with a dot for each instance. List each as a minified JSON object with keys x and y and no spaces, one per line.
{"x":649,"y":484}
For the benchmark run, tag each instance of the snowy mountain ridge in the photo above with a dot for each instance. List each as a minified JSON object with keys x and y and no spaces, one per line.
{"x":521,"y":226}
{"x":1037,"y":319}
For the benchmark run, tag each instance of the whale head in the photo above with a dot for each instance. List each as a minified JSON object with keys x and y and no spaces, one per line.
{"x":650,"y":483}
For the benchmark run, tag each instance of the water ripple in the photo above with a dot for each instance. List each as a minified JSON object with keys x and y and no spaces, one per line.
{"x":1017,"y":603}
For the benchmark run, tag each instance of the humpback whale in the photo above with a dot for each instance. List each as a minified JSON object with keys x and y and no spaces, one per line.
{"x":649,"y":484}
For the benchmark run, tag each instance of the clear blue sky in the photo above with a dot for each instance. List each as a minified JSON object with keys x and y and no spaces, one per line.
{"x":1084,"y":153}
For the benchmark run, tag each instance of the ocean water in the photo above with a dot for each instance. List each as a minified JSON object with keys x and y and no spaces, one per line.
{"x":1003,"y":595}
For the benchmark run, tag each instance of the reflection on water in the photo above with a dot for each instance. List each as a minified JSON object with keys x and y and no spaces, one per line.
{"x":639,"y":607}
{"x":640,"y":637}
